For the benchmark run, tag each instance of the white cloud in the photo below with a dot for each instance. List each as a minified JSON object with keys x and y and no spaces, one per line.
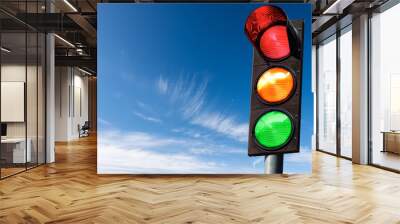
{"x":133,"y":152}
{"x":223,"y":124}
{"x":139,"y":152}
{"x":217,"y":150}
{"x":304,"y":156}
{"x":202,"y":151}
{"x":194,"y":99}
{"x":189,"y":132}
{"x":162,"y":85}
{"x":236,"y":151}
{"x":257,"y":161}
{"x":115,"y":159}
{"x":147,"y":118}
{"x":103,"y":122}
{"x":178,"y":130}
{"x":188,"y":95}
{"x":135,"y":139}
{"x":143,"y":106}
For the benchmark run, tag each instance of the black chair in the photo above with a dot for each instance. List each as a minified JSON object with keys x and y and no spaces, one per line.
{"x":84,"y":130}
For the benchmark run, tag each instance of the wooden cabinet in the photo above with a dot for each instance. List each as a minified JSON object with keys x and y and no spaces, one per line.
{"x":391,"y":142}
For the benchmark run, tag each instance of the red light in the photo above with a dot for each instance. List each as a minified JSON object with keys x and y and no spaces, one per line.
{"x":262,"y":18}
{"x":274,"y":43}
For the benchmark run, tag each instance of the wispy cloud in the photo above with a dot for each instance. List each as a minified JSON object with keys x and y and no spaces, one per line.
{"x":202,"y":151}
{"x":133,"y":152}
{"x":193,"y":133}
{"x":114,"y":159}
{"x":217,"y":150}
{"x":149,"y":141}
{"x":188,"y":94}
{"x":222,"y":124}
{"x":146,"y":117}
{"x":135,"y":139}
{"x":143,"y":106}
{"x":178,"y":130}
{"x":258,"y":161}
{"x":194,"y":97}
{"x":103,"y":122}
{"x":304,"y":156}
{"x":162,"y":85}
{"x":141,"y":152}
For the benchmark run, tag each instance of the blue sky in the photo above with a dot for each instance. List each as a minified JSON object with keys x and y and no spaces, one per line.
{"x":174,"y":89}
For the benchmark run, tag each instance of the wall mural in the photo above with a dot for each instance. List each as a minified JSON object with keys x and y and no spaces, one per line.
{"x":174,"y":89}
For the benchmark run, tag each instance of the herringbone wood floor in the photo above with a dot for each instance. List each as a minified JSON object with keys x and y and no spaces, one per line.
{"x":70,"y":191}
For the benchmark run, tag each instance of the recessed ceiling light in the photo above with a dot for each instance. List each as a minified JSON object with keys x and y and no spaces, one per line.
{"x":5,"y":50}
{"x":84,"y":71}
{"x":70,"y":5}
{"x":64,"y":40}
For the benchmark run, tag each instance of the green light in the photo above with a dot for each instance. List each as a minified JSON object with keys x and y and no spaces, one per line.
{"x":273,"y":129}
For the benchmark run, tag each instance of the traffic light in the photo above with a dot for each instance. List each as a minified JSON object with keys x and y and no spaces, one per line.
{"x":276,"y":81}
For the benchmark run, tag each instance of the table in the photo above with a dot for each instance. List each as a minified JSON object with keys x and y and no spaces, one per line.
{"x":17,"y":150}
{"x":391,"y":141}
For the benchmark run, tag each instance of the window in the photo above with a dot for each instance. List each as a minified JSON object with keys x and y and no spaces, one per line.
{"x":385,"y":89}
{"x":346,"y":92}
{"x":327,"y":95}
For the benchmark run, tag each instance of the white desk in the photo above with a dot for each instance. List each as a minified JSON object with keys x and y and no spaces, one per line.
{"x":19,"y":153}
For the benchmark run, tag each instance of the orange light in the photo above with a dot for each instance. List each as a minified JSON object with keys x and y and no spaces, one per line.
{"x":275,"y":85}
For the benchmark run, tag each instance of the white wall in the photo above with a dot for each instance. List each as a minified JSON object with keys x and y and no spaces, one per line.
{"x":17,"y":73}
{"x":71,"y":102}
{"x":62,"y":81}
{"x":33,"y":126}
{"x":80,"y":110}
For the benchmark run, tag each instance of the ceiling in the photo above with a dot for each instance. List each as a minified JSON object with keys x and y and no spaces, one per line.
{"x":75,"y":22}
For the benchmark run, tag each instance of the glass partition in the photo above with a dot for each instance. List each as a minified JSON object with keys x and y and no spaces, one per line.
{"x":31,"y":99}
{"x":13,"y":110}
{"x":327,"y":95}
{"x":385,"y":89}
{"x":22,"y":98}
{"x":41,"y":97}
{"x":346,"y":92}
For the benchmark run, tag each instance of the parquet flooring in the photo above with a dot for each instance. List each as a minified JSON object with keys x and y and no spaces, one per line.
{"x":70,"y":191}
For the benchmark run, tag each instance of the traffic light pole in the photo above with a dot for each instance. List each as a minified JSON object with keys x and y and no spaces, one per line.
{"x":273,"y":164}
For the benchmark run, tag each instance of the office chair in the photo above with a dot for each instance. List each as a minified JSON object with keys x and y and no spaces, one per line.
{"x":84,"y":130}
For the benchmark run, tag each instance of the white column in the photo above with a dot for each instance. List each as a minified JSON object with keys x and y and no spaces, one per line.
{"x":50,"y":92}
{"x":314,"y":91}
{"x":50,"y":99}
{"x":360,"y":90}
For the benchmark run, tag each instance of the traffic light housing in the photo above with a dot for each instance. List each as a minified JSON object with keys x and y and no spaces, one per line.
{"x":276,"y":81}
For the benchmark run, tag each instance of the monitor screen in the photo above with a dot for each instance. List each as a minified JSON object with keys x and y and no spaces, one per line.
{"x":3,"y":129}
